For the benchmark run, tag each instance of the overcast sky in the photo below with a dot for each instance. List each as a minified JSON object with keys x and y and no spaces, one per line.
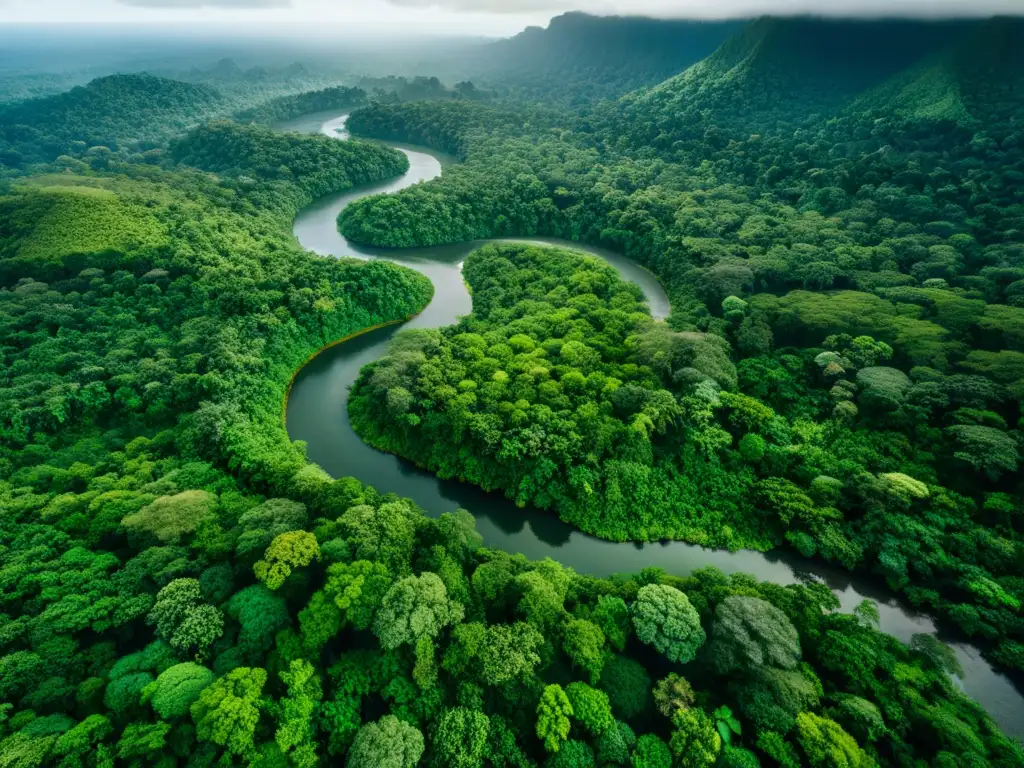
{"x":479,"y":17}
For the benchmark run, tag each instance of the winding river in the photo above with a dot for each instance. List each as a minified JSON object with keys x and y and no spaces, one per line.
{"x":317,"y":413}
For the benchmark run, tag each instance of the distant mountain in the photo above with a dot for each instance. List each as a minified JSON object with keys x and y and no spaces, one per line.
{"x":777,"y":73}
{"x":110,"y":111}
{"x":976,"y":82}
{"x":579,"y":57}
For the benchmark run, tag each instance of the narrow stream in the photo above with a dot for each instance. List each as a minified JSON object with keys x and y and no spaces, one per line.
{"x":317,"y":413}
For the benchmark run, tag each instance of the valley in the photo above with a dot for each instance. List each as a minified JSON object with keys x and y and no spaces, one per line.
{"x":640,"y":393}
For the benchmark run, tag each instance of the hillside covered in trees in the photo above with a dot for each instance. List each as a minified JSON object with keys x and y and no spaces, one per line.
{"x":579,"y":58}
{"x":107,"y":112}
{"x":860,"y":276}
{"x":134,"y":113}
{"x":841,"y":375}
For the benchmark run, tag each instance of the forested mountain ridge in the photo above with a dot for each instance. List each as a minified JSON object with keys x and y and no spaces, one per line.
{"x":109,"y":111}
{"x":974,"y":82}
{"x":579,"y":57}
{"x":779,"y":73}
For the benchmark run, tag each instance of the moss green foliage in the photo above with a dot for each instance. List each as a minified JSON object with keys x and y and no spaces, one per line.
{"x":180,"y":586}
{"x":554,"y":390}
{"x":860,"y":308}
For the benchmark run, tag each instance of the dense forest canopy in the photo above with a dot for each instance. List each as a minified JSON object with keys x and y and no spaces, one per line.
{"x":841,"y":374}
{"x":294,"y":105}
{"x":106,"y":112}
{"x":861,"y":272}
{"x":136,"y":113}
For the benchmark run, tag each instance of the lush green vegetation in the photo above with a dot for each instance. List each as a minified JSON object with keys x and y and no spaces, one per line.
{"x":109,"y":112}
{"x":420,"y":88}
{"x":558,"y":391}
{"x":198,"y":277}
{"x":158,"y":612}
{"x":314,"y":164}
{"x":295,"y":105}
{"x":863,"y":272}
{"x":842,"y":372}
{"x":135,"y":115}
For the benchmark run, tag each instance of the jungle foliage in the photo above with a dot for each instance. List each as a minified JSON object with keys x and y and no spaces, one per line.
{"x":178,"y":585}
{"x":859,"y":260}
{"x":307,"y":102}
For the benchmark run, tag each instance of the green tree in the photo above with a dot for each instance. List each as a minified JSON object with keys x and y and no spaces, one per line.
{"x":590,"y":707}
{"x":612,"y":615}
{"x":319,"y":621}
{"x":510,"y":652}
{"x":415,"y":607}
{"x":176,"y":689}
{"x":553,"y":713}
{"x":778,"y":749}
{"x":357,"y":589}
{"x":460,"y":739}
{"x":85,"y":739}
{"x":294,"y":549}
{"x":183,"y":619}
{"x":737,"y":757}
{"x":664,"y":618}
{"x":615,"y":744}
{"x":695,"y":741}
{"x":628,"y":686}
{"x":827,"y":745}
{"x":673,"y":694}
{"x":142,"y":740}
{"x":260,"y":615}
{"x":583,"y":643}
{"x":263,"y":523}
{"x":384,"y":535}
{"x":169,"y":519}
{"x":749,"y":632}
{"x":228,"y":711}
{"x":573,"y":754}
{"x":985,"y":449}
{"x":651,"y":752}
{"x":296,"y":731}
{"x":386,"y":743}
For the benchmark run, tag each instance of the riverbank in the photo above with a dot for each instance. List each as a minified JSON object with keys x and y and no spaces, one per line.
{"x":317,"y":413}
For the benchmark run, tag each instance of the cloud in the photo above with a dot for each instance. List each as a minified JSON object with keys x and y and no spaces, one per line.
{"x":703,"y":9}
{"x":192,"y":4}
{"x":503,"y":6}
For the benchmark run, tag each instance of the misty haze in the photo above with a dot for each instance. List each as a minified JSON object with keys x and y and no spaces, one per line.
{"x":523,"y":384}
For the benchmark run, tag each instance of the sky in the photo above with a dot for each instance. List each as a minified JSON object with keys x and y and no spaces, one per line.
{"x":472,"y":17}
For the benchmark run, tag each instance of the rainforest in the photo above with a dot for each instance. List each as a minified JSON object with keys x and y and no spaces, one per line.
{"x":625,"y":391}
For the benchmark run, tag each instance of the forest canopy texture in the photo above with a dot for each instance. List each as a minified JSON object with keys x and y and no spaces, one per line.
{"x":841,"y":374}
{"x":842,"y":368}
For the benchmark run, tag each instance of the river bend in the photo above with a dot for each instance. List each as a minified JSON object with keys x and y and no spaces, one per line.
{"x":317,"y":413}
